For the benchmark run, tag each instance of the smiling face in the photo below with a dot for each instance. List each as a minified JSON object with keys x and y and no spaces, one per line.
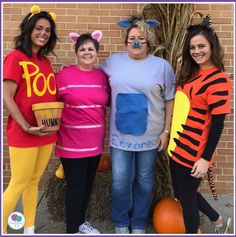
{"x":86,"y":56}
{"x":137,"y":53}
{"x":200,"y":51}
{"x":40,"y":34}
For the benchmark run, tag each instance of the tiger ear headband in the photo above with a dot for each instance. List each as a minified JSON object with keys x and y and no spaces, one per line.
{"x":97,"y":35}
{"x":205,"y":23}
{"x":35,"y":9}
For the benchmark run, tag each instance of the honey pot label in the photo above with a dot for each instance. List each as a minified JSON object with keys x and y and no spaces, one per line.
{"x":51,"y":122}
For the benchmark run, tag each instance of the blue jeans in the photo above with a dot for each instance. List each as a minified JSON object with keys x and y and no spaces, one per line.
{"x":132,"y":186}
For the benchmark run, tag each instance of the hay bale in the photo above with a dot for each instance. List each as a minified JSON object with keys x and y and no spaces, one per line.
{"x":162,"y":182}
{"x":99,"y":203}
{"x":99,"y":207}
{"x":55,"y":197}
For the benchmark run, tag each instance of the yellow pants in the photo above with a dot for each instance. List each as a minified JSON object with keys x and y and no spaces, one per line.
{"x":27,"y":167}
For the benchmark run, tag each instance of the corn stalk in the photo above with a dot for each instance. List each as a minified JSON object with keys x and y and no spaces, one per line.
{"x":174,"y":19}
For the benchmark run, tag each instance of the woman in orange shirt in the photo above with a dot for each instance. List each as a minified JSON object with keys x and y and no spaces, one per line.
{"x":203,"y":97}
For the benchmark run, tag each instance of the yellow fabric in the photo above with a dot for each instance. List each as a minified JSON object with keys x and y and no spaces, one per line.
{"x":27,"y":167}
{"x":180,"y":115}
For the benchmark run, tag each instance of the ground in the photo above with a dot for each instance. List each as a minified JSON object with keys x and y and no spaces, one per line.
{"x":44,"y":225}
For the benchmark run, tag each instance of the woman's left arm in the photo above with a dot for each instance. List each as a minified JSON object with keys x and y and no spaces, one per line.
{"x":163,"y":139}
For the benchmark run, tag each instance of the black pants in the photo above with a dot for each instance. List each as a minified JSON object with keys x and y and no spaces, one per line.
{"x":79,"y":175}
{"x":186,"y":191}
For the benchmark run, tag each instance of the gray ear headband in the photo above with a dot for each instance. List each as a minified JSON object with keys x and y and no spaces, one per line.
{"x":127,"y":23}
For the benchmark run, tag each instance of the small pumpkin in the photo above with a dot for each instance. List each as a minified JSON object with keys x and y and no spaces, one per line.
{"x":168,"y":217}
{"x":104,"y":164}
{"x":60,"y":172}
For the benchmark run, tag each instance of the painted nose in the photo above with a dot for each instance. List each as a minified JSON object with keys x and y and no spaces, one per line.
{"x":136,"y":44}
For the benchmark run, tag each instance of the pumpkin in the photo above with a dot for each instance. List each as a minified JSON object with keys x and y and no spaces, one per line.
{"x":168,"y":217}
{"x":104,"y":164}
{"x":60,"y":172}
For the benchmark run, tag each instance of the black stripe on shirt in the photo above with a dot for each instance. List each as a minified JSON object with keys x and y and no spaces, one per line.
{"x":200,"y":111}
{"x":198,"y":120}
{"x":217,"y":104}
{"x":181,"y":158}
{"x":191,"y":129}
{"x":212,"y":74}
{"x":204,"y":88}
{"x":190,"y":139}
{"x":185,"y":147}
{"x":223,"y":93}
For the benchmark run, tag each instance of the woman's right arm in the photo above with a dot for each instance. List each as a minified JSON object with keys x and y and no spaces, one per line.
{"x":9,"y":90}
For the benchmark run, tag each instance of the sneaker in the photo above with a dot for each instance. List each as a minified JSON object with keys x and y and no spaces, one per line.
{"x":29,"y":230}
{"x":138,"y":231}
{"x":224,"y":227}
{"x":121,"y":230}
{"x":86,"y":228}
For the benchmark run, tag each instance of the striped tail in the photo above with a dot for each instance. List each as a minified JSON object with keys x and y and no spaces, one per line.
{"x":211,"y":183}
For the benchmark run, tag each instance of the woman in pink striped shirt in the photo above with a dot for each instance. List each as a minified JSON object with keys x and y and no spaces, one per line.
{"x":85,"y":91}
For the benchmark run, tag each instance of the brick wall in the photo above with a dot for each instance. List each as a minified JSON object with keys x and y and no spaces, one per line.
{"x":80,"y":17}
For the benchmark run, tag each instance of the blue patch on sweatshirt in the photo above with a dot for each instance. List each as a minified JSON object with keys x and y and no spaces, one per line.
{"x":131,"y":113}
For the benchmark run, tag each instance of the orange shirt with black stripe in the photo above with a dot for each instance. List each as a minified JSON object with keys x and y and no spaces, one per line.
{"x":205,"y":94}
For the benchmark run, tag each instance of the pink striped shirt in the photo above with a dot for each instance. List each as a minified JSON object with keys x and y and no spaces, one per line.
{"x":85,"y":96}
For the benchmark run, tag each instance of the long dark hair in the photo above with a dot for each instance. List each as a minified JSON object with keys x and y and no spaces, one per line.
{"x":23,"y":40}
{"x":189,"y":67}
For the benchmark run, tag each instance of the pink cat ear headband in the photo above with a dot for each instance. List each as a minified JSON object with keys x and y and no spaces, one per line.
{"x":97,"y":35}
